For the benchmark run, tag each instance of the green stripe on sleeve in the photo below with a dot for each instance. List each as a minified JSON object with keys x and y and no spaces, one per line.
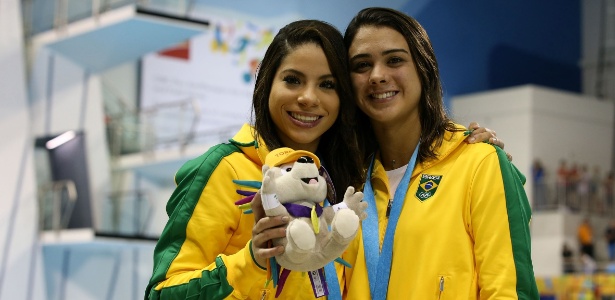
{"x":519,"y":216}
{"x":211,"y":286}
{"x":191,"y":179}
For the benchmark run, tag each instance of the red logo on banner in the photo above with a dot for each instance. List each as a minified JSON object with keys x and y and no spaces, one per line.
{"x":181,"y":51}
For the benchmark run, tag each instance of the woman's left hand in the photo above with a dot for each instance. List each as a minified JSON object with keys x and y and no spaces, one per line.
{"x":483,"y":134}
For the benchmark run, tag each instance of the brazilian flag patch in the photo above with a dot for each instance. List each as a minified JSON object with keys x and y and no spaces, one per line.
{"x":428,"y":186}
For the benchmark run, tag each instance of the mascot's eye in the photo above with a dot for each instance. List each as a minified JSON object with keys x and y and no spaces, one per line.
{"x":285,"y":168}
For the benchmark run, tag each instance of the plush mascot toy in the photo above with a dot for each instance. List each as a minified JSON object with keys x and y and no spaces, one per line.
{"x":292,"y":186}
{"x":316,"y":234}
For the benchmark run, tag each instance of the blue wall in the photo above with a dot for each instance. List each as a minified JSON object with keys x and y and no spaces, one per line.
{"x":484,"y":45}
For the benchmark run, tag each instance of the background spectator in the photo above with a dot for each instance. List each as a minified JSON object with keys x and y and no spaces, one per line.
{"x":572,"y":178}
{"x":608,"y":186}
{"x":594,"y":190}
{"x":568,"y":257}
{"x":583,"y":180}
{"x":610,"y":239}
{"x":562,"y":182}
{"x":586,"y":239}
{"x":538,"y":176}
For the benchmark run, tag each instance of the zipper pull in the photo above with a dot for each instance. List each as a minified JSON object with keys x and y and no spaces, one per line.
{"x":441,"y":283}
{"x":264,"y":295}
{"x":388,"y":213}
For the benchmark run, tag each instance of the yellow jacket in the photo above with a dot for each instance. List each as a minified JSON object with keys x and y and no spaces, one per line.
{"x":468,"y":240}
{"x":204,"y":250}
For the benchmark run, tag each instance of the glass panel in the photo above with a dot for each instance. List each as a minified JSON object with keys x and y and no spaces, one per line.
{"x":43,"y":12}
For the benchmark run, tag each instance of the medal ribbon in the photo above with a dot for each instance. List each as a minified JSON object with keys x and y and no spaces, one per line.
{"x":333,"y":286}
{"x":379,"y":263}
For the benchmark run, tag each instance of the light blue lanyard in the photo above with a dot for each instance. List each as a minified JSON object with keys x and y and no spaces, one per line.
{"x":379,"y":263}
{"x":333,"y":284}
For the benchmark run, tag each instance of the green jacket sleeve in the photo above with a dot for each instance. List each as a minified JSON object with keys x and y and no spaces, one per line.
{"x":203,"y":251}
{"x":520,"y":215}
{"x":500,"y":216}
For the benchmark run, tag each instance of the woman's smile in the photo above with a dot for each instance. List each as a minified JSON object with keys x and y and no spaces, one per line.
{"x":303,"y":101}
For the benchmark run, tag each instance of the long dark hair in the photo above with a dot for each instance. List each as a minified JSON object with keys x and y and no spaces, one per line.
{"x":338,"y":148}
{"x":433,"y":117}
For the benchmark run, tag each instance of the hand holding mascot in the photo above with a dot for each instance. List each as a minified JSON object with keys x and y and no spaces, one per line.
{"x":295,"y":185}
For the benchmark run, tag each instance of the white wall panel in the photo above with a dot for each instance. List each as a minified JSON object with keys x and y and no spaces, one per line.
{"x":19,"y":256}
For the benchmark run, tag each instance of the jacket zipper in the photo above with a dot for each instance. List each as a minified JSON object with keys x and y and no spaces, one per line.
{"x":441,"y":286}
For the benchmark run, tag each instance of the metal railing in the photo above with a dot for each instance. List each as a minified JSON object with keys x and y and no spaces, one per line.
{"x":56,"y":203}
{"x":130,"y":130}
{"x":130,"y":212}
{"x":597,"y":201}
{"x":163,"y":126}
{"x":173,"y":123}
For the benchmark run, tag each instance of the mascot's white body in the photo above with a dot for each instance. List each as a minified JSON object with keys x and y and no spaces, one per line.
{"x":298,"y":186}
